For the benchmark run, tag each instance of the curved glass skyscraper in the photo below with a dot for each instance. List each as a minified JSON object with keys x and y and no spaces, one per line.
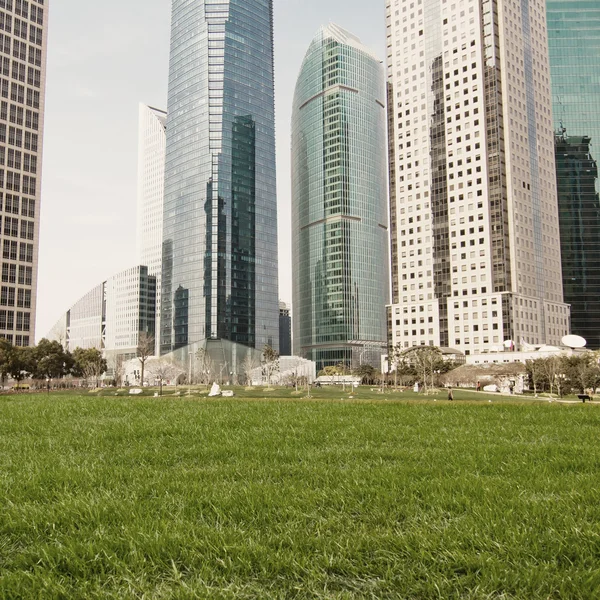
{"x":219,"y":273}
{"x":339,"y":200}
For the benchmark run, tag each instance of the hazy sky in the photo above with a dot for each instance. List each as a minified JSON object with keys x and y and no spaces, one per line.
{"x":103,"y":59}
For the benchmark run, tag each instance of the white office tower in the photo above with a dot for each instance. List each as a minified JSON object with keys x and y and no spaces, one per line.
{"x":150,"y":194}
{"x":23,"y":44}
{"x":475,"y":240}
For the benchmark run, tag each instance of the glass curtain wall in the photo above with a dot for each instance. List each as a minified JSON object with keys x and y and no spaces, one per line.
{"x":339,"y":207}
{"x":574,"y":41}
{"x":220,"y":211}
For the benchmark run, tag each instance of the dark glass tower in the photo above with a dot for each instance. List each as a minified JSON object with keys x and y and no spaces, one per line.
{"x":219,"y":278}
{"x":579,"y":213}
{"x":574,"y":43}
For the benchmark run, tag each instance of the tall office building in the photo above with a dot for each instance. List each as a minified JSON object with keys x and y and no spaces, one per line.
{"x":150,"y":195}
{"x":219,"y":275}
{"x":111,"y":317}
{"x":574,"y":41}
{"x":339,"y":201}
{"x":475,"y":254}
{"x":151,"y":186}
{"x":285,"y":330}
{"x":23,"y":37}
{"x":579,"y":212}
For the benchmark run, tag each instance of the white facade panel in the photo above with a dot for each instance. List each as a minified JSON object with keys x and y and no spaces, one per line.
{"x":473,"y":199}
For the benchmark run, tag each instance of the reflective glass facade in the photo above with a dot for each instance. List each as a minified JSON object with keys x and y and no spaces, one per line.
{"x":219,"y":274}
{"x":339,"y":199}
{"x":574,"y":41}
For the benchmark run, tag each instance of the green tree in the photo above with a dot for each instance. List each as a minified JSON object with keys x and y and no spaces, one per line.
{"x":582,"y":371}
{"x":21,"y":363}
{"x":368,"y":374}
{"x":5,"y":351}
{"x":51,"y":360}
{"x":88,"y":363}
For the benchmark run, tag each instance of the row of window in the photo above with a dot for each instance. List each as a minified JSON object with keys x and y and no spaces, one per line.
{"x":21,"y":29}
{"x":19,"y":340}
{"x":10,"y":319}
{"x":25,"y":251}
{"x":25,"y":8}
{"x":10,"y":204}
{"x":14,"y":182}
{"x":17,"y":160}
{"x":29,"y":141}
{"x":20,"y":72}
{"x":9,"y":274}
{"x":9,"y":296}
{"x":20,"y":50}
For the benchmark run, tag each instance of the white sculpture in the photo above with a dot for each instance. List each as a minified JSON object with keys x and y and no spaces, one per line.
{"x":215,"y":390}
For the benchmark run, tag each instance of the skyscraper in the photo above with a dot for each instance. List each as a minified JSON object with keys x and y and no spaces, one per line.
{"x":574,"y":41}
{"x":150,"y":196}
{"x":285,"y":330}
{"x":574,"y":45}
{"x":23,"y":37}
{"x":219,"y":275}
{"x":475,"y":253}
{"x":339,"y":203}
{"x":151,"y":186}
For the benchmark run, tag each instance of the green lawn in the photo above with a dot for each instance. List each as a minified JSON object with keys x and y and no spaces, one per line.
{"x":118,"y":497}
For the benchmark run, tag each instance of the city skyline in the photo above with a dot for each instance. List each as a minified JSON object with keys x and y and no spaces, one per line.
{"x":80,"y":103}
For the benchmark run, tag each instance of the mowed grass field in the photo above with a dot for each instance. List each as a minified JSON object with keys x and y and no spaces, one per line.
{"x":104,"y":497}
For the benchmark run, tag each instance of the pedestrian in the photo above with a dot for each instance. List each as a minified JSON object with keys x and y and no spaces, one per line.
{"x":478,"y":386}
{"x":450,"y":395}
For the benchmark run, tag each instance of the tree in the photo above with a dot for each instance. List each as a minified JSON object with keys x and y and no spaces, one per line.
{"x":248,"y":365}
{"x":206,"y":366}
{"x":20,"y":363}
{"x":51,"y":361}
{"x":88,"y":363}
{"x":535,"y":372}
{"x":426,"y":360}
{"x":145,"y":349}
{"x":582,"y":371}
{"x":163,"y":370}
{"x":270,"y":362}
{"x":550,"y":367}
{"x":401,"y":365}
{"x":367,"y":373}
{"x":5,"y":352}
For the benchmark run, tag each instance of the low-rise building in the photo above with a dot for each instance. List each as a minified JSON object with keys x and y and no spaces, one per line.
{"x":111,"y":317}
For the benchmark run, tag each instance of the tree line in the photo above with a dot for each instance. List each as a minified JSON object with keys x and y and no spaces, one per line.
{"x":564,"y":374}
{"x":49,"y":360}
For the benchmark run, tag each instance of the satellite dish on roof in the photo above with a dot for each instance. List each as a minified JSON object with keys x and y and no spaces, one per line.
{"x":574,"y":341}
